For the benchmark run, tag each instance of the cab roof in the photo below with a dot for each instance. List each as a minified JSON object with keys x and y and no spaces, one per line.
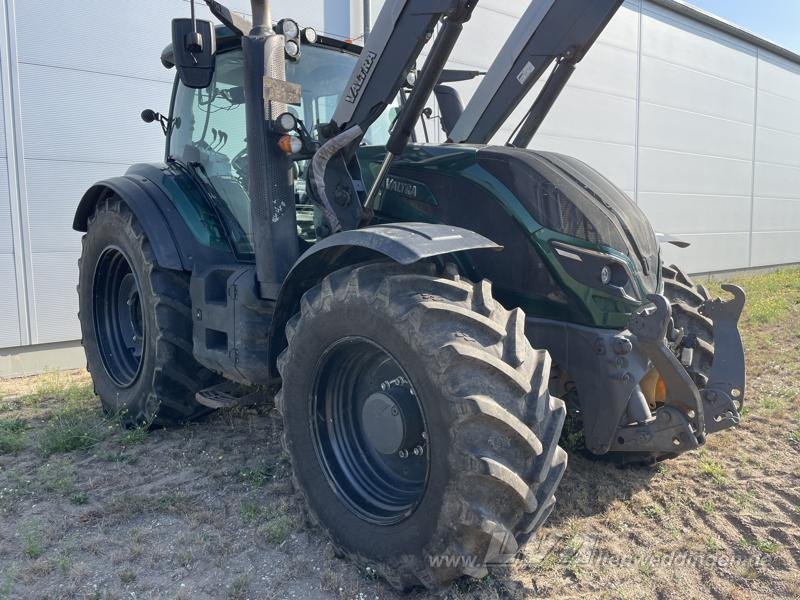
{"x":228,"y":40}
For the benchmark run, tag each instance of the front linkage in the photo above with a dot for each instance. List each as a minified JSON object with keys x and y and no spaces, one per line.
{"x":688,"y":414}
{"x":635,"y":397}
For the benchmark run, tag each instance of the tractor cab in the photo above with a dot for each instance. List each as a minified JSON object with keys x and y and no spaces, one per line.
{"x":207,"y":129}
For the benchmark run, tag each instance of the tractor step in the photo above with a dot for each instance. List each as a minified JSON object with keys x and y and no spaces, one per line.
{"x":229,"y":394}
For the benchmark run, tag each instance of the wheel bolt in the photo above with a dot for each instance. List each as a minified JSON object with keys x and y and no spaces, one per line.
{"x":403,"y":453}
{"x":418,"y":451}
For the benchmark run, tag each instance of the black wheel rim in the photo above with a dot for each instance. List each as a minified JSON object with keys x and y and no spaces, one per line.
{"x":378,"y":468}
{"x":118,"y":320}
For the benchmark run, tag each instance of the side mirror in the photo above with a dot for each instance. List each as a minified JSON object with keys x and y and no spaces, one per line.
{"x":195,"y":51}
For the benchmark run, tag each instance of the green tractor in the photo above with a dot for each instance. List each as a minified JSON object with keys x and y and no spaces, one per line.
{"x":297,"y":235}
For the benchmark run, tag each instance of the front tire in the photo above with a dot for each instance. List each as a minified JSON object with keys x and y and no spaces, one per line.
{"x":460,"y":465}
{"x":136,"y":325}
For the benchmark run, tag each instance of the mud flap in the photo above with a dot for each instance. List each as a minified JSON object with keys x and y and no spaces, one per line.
{"x":723,"y":396}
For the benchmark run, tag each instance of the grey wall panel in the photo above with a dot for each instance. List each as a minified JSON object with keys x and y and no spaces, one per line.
{"x":778,"y":147}
{"x":775,"y":247}
{"x":9,"y":313}
{"x":776,"y":186}
{"x":668,"y":84}
{"x":486,"y":30}
{"x":694,"y":213}
{"x":687,"y":131}
{"x":685,"y":42}
{"x":308,"y":13}
{"x":124,"y":37}
{"x":695,"y":169}
{"x":55,"y":299}
{"x":778,"y":112}
{"x":3,"y":149}
{"x":6,"y":235}
{"x":52,"y":207}
{"x":92,"y":117}
{"x":776,"y":181}
{"x":776,"y":214}
{"x":667,"y":171}
{"x":779,"y":76}
{"x":709,"y":252}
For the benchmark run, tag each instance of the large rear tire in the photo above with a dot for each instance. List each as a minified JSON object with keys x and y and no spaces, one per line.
{"x":462,"y":463}
{"x":137,"y":325}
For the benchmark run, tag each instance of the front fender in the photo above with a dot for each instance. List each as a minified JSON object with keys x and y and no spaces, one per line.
{"x":404,"y":243}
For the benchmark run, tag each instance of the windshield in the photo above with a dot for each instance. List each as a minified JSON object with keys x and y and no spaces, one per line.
{"x":209,"y":130}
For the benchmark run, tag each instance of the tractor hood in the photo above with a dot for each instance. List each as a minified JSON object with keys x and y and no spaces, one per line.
{"x":558,"y":193}
{"x":566,"y":195}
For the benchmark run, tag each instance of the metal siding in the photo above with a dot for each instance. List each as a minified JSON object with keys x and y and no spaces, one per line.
{"x":9,"y":324}
{"x":94,"y":117}
{"x":776,"y":185}
{"x":55,"y":275}
{"x":709,"y":252}
{"x":52,"y":208}
{"x":695,"y":152}
{"x":6,"y":235}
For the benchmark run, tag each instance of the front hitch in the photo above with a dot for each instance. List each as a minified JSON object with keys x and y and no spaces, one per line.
{"x":723,"y":395}
{"x":678,"y":425}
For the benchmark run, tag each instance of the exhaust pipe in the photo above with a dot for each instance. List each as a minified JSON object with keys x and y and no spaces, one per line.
{"x":272,"y":208}
{"x":261,"y":14}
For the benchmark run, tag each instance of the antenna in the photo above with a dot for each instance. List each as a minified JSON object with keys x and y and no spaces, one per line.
{"x":194,"y":41}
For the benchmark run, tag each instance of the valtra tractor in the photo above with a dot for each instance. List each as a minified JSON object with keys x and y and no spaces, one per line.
{"x":429,"y":312}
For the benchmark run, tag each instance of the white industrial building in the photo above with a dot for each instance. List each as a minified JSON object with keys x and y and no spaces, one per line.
{"x":696,"y":119}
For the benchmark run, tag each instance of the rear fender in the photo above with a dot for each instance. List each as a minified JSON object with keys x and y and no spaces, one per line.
{"x":404,"y":243}
{"x":174,"y":245}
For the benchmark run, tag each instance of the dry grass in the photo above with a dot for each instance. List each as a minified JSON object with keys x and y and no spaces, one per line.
{"x":207,"y":511}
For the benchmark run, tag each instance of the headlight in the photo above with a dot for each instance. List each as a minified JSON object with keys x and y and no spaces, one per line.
{"x":286,"y":122}
{"x":289,"y":28}
{"x":292,"y":49}
{"x":310,"y":35}
{"x":597,"y":270}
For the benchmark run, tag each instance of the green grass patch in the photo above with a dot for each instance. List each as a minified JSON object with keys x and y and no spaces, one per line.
{"x":278,"y":528}
{"x":773,"y":404}
{"x":57,"y":476}
{"x":770,"y":296}
{"x":13,"y":436}
{"x":80,"y":498}
{"x":708,"y":506}
{"x":137,"y":435}
{"x":12,"y":442}
{"x":13,"y":425}
{"x":74,"y":427}
{"x":273,"y":522}
{"x":127,"y":576}
{"x":55,"y":385}
{"x":794,"y":436}
{"x":254,"y":478}
{"x":30,"y":534}
{"x":765,"y":546}
{"x":712,"y":469}
{"x":69,"y":430}
{"x":654,"y":511}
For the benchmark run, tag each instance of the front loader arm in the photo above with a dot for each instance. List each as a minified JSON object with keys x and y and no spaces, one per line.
{"x":401,"y":31}
{"x":550,"y":30}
